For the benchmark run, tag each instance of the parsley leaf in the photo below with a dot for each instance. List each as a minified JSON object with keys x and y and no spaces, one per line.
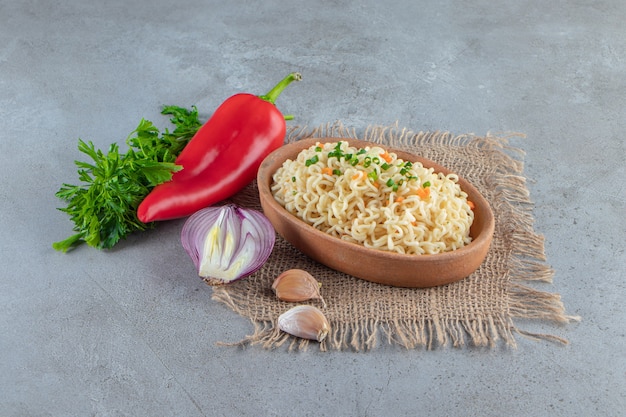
{"x":104,"y":207}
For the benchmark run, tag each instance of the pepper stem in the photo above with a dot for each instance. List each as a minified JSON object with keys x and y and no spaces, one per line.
{"x":273,"y":94}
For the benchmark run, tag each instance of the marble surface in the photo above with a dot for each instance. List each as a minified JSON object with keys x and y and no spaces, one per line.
{"x":131,"y":332}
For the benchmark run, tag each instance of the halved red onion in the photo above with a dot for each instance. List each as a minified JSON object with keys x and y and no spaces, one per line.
{"x":228,"y":242}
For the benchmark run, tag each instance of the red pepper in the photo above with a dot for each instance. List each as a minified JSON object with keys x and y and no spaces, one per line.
{"x":223,"y":156}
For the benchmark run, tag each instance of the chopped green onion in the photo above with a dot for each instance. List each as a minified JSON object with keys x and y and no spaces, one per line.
{"x":293,"y":179}
{"x":361,"y":152}
{"x":389,"y":182}
{"x":426,"y":184}
{"x":373,"y":175}
{"x":336,"y":172}
{"x":367,"y":161}
{"x":318,"y":149}
{"x":312,"y":160}
{"x":385,"y":166}
{"x":376,"y":160}
{"x":336,"y":152}
{"x":354,"y":162}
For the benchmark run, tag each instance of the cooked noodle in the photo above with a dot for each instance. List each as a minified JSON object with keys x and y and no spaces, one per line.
{"x":373,"y":198}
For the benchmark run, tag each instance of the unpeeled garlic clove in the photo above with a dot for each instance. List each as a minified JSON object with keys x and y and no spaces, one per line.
{"x":297,"y":285}
{"x":304,"y":321}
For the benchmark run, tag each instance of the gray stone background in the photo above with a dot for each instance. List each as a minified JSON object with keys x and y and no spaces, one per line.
{"x":131,"y":332}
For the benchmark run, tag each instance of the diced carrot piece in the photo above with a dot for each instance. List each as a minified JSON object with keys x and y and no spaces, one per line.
{"x":423,"y":193}
{"x":471,"y":205}
{"x":386,"y":156}
{"x":327,"y":171}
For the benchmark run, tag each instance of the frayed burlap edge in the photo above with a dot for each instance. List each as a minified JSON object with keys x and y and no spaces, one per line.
{"x":365,"y":335}
{"x":527,"y":263}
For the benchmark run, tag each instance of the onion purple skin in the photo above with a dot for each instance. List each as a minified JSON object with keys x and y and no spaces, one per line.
{"x":243,"y":240}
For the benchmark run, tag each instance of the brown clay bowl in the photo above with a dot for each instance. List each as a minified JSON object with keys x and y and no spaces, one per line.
{"x":389,"y":268}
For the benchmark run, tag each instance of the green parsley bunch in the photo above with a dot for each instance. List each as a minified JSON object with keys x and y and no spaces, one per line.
{"x":104,"y":207}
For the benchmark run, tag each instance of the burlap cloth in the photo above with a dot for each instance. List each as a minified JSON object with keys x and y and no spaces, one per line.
{"x":478,"y":310}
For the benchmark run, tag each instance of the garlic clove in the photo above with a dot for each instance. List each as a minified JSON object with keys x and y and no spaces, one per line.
{"x":297,"y":285}
{"x":304,"y":321}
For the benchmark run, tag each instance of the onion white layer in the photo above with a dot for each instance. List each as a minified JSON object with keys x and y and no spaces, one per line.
{"x":228,"y":242}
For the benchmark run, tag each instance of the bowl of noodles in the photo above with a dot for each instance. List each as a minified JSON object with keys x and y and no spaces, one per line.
{"x":375,"y":213}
